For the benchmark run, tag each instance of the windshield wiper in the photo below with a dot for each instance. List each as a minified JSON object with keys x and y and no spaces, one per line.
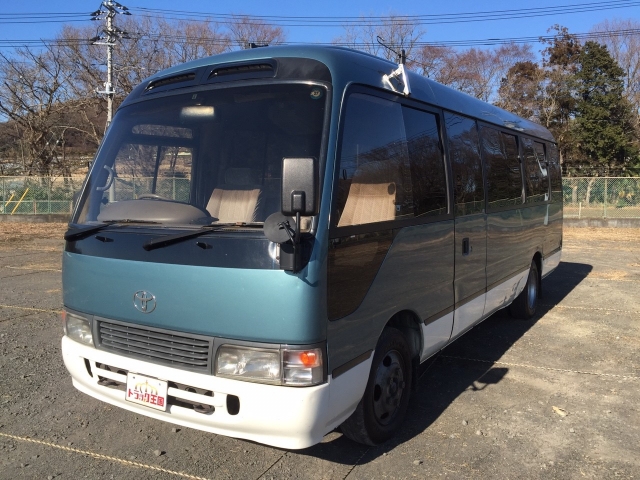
{"x":77,"y":233}
{"x":238,"y":224}
{"x":178,"y":237}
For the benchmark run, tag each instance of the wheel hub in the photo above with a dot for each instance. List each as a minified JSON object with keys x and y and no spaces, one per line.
{"x":388,"y":388}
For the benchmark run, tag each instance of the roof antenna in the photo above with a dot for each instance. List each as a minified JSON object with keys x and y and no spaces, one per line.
{"x":399,"y":74}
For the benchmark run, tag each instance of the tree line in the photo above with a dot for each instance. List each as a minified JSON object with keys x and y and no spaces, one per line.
{"x":586,"y":92}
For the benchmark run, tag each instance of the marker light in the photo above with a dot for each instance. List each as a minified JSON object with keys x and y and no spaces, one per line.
{"x":302,"y":367}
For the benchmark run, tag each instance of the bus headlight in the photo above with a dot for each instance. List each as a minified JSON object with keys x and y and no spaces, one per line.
{"x":252,"y":364}
{"x":77,"y":328}
{"x":299,"y":368}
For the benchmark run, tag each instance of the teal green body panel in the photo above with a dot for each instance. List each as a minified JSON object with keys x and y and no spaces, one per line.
{"x":416,"y":277}
{"x":254,"y":305}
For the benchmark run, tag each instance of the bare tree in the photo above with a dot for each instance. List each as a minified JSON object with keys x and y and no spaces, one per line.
{"x":437,"y":63}
{"x":474,"y":71}
{"x":481,"y":71}
{"x":395,"y":31}
{"x":34,"y":88}
{"x":245,"y":30}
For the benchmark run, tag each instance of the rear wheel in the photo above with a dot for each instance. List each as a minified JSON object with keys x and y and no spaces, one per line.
{"x":525,"y":305}
{"x":383,"y":407}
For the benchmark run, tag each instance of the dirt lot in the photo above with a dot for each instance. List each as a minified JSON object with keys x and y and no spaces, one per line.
{"x":556,"y":397}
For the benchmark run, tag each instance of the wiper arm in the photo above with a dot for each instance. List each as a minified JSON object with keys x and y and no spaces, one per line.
{"x":179,"y":237}
{"x":77,"y":233}
{"x":238,"y":224}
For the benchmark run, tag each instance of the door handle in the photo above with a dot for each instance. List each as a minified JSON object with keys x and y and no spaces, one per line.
{"x":466,"y":247}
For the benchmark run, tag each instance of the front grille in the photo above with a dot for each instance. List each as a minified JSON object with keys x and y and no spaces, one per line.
{"x":158,"y":346}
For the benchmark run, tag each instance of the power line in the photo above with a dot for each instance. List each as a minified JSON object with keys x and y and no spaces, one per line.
{"x":337,"y":21}
{"x":2,"y":22}
{"x":446,"y":18}
{"x":143,"y":36}
{"x":607,"y":4}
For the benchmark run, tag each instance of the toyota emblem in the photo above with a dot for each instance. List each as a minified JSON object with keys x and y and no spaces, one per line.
{"x":144,"y":301}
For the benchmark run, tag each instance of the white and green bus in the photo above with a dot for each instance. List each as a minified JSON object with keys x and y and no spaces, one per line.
{"x":270,"y":242}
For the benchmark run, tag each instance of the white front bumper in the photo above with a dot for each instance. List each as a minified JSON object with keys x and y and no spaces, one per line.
{"x":285,"y":417}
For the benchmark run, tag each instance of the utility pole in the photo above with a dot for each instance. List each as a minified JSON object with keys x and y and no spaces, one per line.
{"x":107,"y":12}
{"x":108,"y":38}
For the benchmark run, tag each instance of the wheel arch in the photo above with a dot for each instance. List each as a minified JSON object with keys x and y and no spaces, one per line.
{"x":408,"y":323}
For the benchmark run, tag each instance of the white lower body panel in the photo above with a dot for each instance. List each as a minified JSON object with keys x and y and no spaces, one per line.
{"x":550,"y":263}
{"x":435,"y":335}
{"x":285,"y":417}
{"x":439,"y":333}
{"x":504,"y":293}
{"x":467,"y":316}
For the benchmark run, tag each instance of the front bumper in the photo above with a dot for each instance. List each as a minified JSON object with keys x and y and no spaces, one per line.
{"x":285,"y":417}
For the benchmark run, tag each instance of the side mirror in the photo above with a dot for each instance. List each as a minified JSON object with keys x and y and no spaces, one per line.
{"x":299,"y":197}
{"x":299,"y":186}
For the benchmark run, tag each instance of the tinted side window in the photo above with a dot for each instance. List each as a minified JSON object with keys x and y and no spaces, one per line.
{"x":555,"y":174}
{"x":535,"y":171}
{"x":464,"y":150}
{"x":374,"y":182}
{"x":426,"y":162}
{"x":504,"y":180}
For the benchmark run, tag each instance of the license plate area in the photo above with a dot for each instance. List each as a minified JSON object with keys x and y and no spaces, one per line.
{"x":146,"y":391}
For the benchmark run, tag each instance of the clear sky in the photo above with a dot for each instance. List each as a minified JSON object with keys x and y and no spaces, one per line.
{"x":515,"y":19}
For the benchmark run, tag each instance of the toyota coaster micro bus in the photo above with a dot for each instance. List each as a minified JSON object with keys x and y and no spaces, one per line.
{"x":271,"y":241}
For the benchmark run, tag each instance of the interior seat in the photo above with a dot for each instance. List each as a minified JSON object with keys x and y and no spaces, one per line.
{"x":239,"y":198}
{"x":369,"y":199}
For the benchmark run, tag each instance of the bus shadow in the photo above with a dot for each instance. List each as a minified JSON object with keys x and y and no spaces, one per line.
{"x":468,"y":364}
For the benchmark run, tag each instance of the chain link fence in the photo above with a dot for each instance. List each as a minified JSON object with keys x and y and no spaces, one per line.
{"x":584,"y":197}
{"x":172,"y":188}
{"x":37,"y":195}
{"x":601,"y":197}
{"x":44,"y":195}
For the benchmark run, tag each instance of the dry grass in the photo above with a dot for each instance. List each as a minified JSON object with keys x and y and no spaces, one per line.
{"x":22,"y":231}
{"x":577,"y":234}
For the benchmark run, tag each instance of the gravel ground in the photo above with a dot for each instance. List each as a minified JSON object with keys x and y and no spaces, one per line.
{"x":555,"y":397}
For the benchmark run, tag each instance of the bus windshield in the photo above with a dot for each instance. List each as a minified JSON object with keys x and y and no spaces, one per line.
{"x":200,"y":158}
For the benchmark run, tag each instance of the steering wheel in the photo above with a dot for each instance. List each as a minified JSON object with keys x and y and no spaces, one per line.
{"x":151,"y":196}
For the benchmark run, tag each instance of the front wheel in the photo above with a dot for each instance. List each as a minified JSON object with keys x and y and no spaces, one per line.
{"x":525,"y":304}
{"x":383,"y":407}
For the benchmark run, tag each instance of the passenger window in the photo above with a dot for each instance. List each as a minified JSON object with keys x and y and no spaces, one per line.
{"x":464,"y":150}
{"x":555,"y":174}
{"x":374,"y":182}
{"x":504,"y":179}
{"x":537,"y":186}
{"x":426,"y":162}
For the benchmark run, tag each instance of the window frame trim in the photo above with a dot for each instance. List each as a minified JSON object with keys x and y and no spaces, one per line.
{"x":348,"y":230}
{"x":523,"y":162}
{"x":517,"y":135}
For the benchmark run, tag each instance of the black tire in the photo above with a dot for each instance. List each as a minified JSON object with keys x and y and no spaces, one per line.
{"x":525,"y":305}
{"x":383,"y":407}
